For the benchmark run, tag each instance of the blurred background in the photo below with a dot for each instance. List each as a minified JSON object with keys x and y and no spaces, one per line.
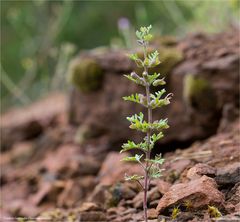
{"x":39,"y":37}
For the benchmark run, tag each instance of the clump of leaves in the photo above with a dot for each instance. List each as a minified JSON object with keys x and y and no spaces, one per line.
{"x":214,"y":212}
{"x":151,"y":128}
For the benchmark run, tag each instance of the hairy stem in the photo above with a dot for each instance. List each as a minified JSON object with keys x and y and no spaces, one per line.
{"x":146,"y":179}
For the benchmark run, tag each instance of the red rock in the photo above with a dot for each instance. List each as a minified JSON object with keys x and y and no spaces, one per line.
{"x":89,"y":206}
{"x":163,"y":186}
{"x":100,"y":195}
{"x":199,"y":170}
{"x":113,"y":169}
{"x":28,"y":122}
{"x":201,"y":192}
{"x":67,"y":161}
{"x":92,"y":216}
{"x":152,"y":213}
{"x":153,"y":195}
{"x":229,"y":174}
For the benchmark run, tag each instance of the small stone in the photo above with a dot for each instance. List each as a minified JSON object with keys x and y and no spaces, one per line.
{"x":163,"y":186}
{"x":110,"y":175}
{"x":89,"y":206}
{"x":199,"y":170}
{"x":153,"y":194}
{"x":201,"y":192}
{"x":92,"y":216}
{"x":229,"y":174}
{"x":152,"y":213}
{"x":115,"y":210}
{"x":100,"y":195}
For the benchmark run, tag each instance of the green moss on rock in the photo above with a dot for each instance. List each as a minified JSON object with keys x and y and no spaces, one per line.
{"x":169,"y":57}
{"x":193,"y":86}
{"x":85,"y":74}
{"x":164,"y":40}
{"x":199,"y":94}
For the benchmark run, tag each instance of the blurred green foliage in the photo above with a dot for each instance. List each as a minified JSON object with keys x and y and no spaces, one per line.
{"x":38,"y":37}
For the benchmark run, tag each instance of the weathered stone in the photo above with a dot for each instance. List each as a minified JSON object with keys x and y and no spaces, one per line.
{"x":162,"y":185}
{"x":109,"y":175}
{"x":199,"y":111}
{"x":89,"y":206}
{"x":29,"y":122}
{"x":101,"y":195}
{"x":153,"y":194}
{"x":152,"y":213}
{"x":200,"y":192}
{"x":92,"y":216}
{"x":233,"y":197}
{"x":229,"y":174}
{"x":199,"y":170}
{"x":73,"y":162}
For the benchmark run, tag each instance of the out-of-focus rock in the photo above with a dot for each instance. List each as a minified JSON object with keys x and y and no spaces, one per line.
{"x":200,"y":192}
{"x":68,"y":161}
{"x":196,"y":70}
{"x":113,"y":169}
{"x":153,"y":195}
{"x":199,"y":170}
{"x":85,"y":74}
{"x":29,"y":122}
{"x":152,"y":213}
{"x":89,"y":206}
{"x":163,"y":186}
{"x":233,"y":199}
{"x":229,"y":174}
{"x":92,"y":216}
{"x":100,"y":195}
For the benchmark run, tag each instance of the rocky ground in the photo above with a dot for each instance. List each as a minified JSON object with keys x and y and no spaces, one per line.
{"x":60,"y":156}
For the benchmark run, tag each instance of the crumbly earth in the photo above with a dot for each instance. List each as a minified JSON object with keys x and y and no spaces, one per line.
{"x":57,"y":167}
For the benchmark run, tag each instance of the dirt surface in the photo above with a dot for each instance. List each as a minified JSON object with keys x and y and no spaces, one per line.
{"x":60,"y":156}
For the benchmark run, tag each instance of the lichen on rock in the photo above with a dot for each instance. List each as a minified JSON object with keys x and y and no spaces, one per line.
{"x":85,"y":74}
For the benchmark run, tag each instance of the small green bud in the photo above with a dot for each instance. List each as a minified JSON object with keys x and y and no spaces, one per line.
{"x":159,"y":82}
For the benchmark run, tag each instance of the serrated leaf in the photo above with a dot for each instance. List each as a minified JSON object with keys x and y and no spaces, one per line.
{"x":130,"y":145}
{"x":158,"y":160}
{"x":157,"y":94}
{"x":138,"y":123}
{"x":159,"y":125}
{"x":136,"y":158}
{"x":135,"y":78}
{"x":152,"y":78}
{"x":157,"y":102}
{"x":133,"y":56}
{"x":133,"y":98}
{"x":155,"y":137}
{"x":136,"y":59}
{"x":155,"y":172}
{"x":153,"y":59}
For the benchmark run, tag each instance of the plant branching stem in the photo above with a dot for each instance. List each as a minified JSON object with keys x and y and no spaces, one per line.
{"x":146,"y":181}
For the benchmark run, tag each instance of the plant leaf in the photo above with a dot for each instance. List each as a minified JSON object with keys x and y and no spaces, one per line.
{"x":136,"y":158}
{"x":130,"y":145}
{"x":133,"y":177}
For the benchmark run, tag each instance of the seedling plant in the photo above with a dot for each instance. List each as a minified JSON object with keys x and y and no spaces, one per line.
{"x":151,"y":128}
